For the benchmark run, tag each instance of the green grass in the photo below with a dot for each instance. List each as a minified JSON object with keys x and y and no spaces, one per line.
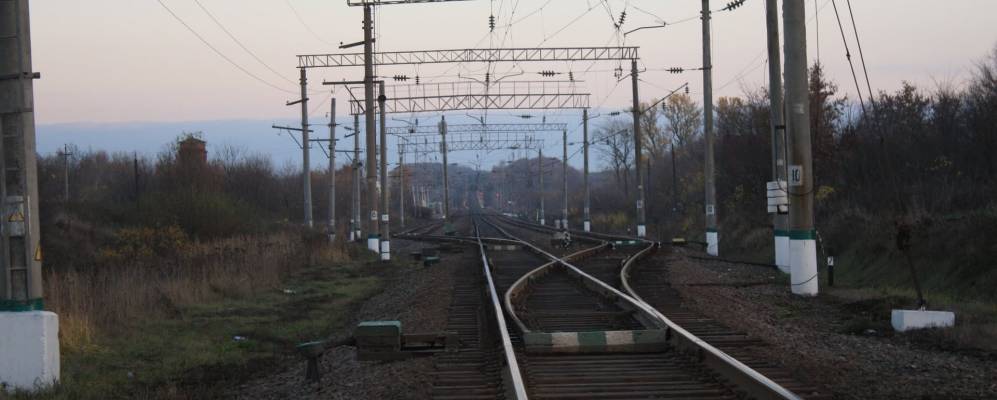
{"x":196,"y":353}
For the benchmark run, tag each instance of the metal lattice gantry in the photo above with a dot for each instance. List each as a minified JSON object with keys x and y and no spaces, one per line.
{"x":478,"y":128}
{"x":455,"y":96}
{"x":471,"y":55}
{"x":469,"y":142}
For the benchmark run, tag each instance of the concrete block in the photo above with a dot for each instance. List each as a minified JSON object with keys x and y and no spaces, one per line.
{"x":29,"y":349}
{"x":379,"y":335}
{"x":907,"y":320}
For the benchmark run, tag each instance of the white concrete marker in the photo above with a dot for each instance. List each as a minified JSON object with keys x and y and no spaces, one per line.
{"x":557,"y":224}
{"x":712,"y":243}
{"x":907,"y":320}
{"x":29,"y":349}
{"x":542,"y":222}
{"x":564,"y":224}
{"x":385,"y":250}
{"x":588,"y":226}
{"x":641,"y":231}
{"x":782,"y":253}
{"x":373,"y":243}
{"x":803,"y":273}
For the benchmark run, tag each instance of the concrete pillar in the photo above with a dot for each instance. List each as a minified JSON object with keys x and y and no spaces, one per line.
{"x":712,"y":234}
{"x":780,"y":221}
{"x":29,"y":337}
{"x":802,"y":237}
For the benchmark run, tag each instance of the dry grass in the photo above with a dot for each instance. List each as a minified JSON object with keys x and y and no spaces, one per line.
{"x":107,"y":298}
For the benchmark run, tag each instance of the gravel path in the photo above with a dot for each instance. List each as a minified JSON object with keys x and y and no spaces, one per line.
{"x":418,"y":297}
{"x":817,"y":336}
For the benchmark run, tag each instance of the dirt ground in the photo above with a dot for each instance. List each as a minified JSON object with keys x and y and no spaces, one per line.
{"x":415,"y":295}
{"x":838,"y":339}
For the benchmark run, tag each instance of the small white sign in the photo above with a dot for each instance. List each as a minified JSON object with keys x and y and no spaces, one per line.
{"x":640,"y":204}
{"x":795,"y":175}
{"x":710,"y":209}
{"x":373,"y":215}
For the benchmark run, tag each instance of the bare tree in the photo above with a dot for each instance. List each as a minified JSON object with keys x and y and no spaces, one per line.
{"x":615,"y":143}
{"x":684,"y":118}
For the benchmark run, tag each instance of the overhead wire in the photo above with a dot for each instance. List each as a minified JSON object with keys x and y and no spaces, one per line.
{"x":305,"y":24}
{"x":219,"y":52}
{"x":238,"y":42}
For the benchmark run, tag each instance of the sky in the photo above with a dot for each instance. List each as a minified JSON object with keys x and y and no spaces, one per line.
{"x":131,"y":63}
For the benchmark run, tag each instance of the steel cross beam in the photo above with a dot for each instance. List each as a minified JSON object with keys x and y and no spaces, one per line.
{"x":471,"y":55}
{"x":435,"y":147}
{"x":454,"y":96}
{"x":477,"y":128}
{"x":390,"y":2}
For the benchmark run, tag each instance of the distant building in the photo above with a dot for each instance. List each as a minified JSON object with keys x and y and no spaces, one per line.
{"x":193,"y":152}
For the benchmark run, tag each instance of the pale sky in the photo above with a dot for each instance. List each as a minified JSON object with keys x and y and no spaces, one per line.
{"x":130,"y":60}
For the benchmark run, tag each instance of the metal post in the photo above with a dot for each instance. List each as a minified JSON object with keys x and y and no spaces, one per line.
{"x":306,"y":170}
{"x":401,"y":186}
{"x":802,"y":238}
{"x":332,"y":171}
{"x":780,"y":221}
{"x":385,"y":193}
{"x":712,"y":235}
{"x":446,"y":173}
{"x":373,"y":238}
{"x":587,"y":220}
{"x":540,"y":187}
{"x":20,"y":266}
{"x":65,"y":162}
{"x":641,"y":217}
{"x":355,"y":219}
{"x":564,"y":181}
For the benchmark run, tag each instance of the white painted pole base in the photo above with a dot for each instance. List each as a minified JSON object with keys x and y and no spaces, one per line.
{"x":373,"y":243}
{"x":713,"y":243}
{"x":557,"y":224}
{"x":29,"y":350}
{"x":353,"y":236}
{"x":542,"y":222}
{"x":908,"y":320}
{"x":641,"y":231}
{"x":588,"y":226}
{"x":564,"y":224}
{"x":803,"y":273}
{"x":357,"y":235}
{"x":782,"y":253}
{"x":385,"y":250}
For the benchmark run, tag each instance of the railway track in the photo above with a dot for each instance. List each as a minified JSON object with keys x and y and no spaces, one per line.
{"x":568,"y":326}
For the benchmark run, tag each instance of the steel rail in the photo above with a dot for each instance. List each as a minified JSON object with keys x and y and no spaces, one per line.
{"x":518,"y":389}
{"x":758,"y":384}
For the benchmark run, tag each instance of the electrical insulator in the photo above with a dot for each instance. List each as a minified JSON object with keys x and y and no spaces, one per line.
{"x":618,"y":72}
{"x":399,"y":78}
{"x":686,"y":90}
{"x":571,"y":76}
{"x":491,"y":23}
{"x":676,"y":70}
{"x":734,"y":4}
{"x":488,"y":78}
{"x":623,"y":18}
{"x":547,"y":73}
{"x":417,"y":79}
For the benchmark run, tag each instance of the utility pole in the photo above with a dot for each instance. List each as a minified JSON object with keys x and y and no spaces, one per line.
{"x":564,"y":181}
{"x":65,"y":163}
{"x":587,"y":220}
{"x":355,"y":219}
{"x":540,"y":188}
{"x":401,"y":186}
{"x":385,"y":194}
{"x":641,"y":217}
{"x":332,"y":171}
{"x":373,"y":238}
{"x":802,"y":243}
{"x":780,"y":221}
{"x":712,"y":234}
{"x":305,"y":147}
{"x":446,"y":176}
{"x":30,"y":345}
